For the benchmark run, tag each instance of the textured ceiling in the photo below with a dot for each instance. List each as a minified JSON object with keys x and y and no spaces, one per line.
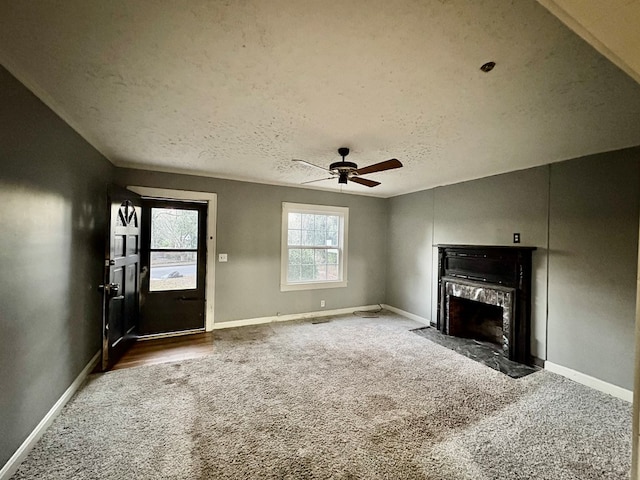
{"x":236,"y":89}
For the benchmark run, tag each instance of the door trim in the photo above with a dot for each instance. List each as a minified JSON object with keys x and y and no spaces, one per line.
{"x":212,"y":210}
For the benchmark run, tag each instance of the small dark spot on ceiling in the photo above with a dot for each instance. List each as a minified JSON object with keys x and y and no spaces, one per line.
{"x":487,"y":67}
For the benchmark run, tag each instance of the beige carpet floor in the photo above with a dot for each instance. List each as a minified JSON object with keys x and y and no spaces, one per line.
{"x":350,"y":398}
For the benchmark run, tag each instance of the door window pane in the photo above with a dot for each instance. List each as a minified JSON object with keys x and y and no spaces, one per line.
{"x":174,"y":228}
{"x":173,"y":271}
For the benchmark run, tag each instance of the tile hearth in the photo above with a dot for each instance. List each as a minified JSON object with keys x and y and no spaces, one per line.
{"x":482,"y":352}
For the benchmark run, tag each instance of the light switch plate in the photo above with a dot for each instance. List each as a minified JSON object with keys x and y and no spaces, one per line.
{"x":222,"y":257}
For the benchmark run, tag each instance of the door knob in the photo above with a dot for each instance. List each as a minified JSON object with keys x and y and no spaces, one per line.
{"x":110,"y":289}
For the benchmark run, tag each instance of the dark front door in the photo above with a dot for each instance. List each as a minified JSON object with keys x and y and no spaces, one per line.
{"x":122,"y":275}
{"x":173,"y":266}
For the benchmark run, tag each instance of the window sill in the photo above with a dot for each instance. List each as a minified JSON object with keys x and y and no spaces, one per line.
{"x":292,"y":287}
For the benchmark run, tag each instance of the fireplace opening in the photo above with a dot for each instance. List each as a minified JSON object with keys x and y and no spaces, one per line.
{"x":476,"y":320}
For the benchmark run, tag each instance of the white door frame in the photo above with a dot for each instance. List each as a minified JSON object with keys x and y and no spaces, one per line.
{"x":212,"y":210}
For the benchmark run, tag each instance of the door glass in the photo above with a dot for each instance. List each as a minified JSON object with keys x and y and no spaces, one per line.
{"x":172,"y":228}
{"x":174,"y":244}
{"x":173,"y":271}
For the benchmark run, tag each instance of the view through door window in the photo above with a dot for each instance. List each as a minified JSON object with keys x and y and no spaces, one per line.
{"x":174,"y":249}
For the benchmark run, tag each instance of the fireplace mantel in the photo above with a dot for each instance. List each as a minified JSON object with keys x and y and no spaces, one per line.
{"x":497,"y":267}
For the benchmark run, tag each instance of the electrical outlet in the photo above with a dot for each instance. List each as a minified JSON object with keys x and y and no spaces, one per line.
{"x":322,"y":304}
{"x":516,"y":238}
{"x":222,"y":257}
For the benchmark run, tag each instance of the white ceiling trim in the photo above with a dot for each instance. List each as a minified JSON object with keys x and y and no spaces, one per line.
{"x":575,"y":25}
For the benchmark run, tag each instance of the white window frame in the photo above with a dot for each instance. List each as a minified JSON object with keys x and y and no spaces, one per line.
{"x":343,"y":215}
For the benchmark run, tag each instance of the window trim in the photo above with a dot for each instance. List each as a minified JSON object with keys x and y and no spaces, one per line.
{"x":343,"y":215}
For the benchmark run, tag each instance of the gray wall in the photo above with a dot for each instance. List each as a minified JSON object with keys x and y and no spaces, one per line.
{"x":487,"y":212}
{"x":593,"y":245}
{"x":52,"y":217}
{"x":410,"y":256}
{"x":584,"y":212}
{"x":249,"y":231}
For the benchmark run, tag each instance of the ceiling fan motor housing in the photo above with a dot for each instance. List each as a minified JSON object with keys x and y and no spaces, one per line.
{"x":344,"y":170}
{"x":343,"y":167}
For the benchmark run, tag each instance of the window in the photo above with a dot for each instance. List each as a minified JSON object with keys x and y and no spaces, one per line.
{"x":314,"y":246}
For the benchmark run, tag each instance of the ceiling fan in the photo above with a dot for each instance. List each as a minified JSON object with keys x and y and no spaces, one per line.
{"x":349,"y":171}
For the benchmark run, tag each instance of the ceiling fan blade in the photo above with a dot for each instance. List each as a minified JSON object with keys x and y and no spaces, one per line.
{"x":379,"y":167}
{"x":311,"y":164}
{"x":364,"y":181}
{"x":318,"y":180}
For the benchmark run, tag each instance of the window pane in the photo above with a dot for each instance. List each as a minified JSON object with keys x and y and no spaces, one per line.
{"x":321,"y":257}
{"x":332,"y":239}
{"x":173,"y":271}
{"x":307,"y":257}
{"x":307,"y":221}
{"x":294,"y":273}
{"x":295,"y":220}
{"x":313,"y":265}
{"x":308,"y":237}
{"x":332,"y":272}
{"x":294,"y":237}
{"x":321,"y":222}
{"x":295,"y":256}
{"x":321,"y":272}
{"x":308,"y":273}
{"x":332,"y":223}
{"x":319,"y":238}
{"x":174,"y":228}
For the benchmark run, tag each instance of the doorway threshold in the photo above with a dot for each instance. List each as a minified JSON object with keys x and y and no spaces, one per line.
{"x":165,"y":349}
{"x":181,"y":333}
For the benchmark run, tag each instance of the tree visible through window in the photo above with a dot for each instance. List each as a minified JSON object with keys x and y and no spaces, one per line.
{"x":173,"y":228}
{"x":314,"y":246}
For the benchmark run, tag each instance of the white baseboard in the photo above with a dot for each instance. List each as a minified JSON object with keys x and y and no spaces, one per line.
{"x":590,"y":381}
{"x":293,"y":316}
{"x":412,"y":316}
{"x":16,"y":459}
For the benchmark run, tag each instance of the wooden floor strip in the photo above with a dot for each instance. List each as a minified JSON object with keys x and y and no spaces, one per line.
{"x":170,"y":349}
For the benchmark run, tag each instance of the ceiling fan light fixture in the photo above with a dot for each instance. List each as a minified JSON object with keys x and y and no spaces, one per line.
{"x":343,"y":178}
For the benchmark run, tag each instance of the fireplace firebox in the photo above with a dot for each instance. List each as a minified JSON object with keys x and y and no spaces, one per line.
{"x":485,"y":294}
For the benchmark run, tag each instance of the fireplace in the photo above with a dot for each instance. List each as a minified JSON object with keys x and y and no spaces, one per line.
{"x":485,"y":294}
